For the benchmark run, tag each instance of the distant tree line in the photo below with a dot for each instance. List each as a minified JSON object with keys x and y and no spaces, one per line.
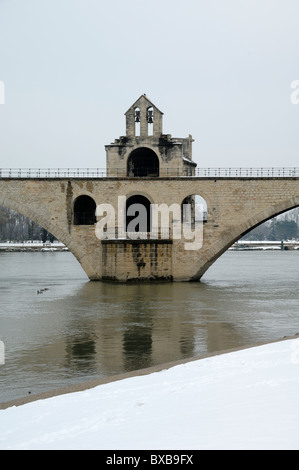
{"x":18,"y":228}
{"x":274,"y":230}
{"x":283,"y":227}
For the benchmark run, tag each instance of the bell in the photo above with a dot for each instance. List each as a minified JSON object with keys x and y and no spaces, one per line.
{"x":150,"y":117}
{"x":137,"y":116}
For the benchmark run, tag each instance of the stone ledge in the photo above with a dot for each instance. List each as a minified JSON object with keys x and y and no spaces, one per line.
{"x":136,"y":242}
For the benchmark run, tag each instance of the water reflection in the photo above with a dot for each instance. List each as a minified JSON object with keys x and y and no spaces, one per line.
{"x":81,"y":354}
{"x":114,"y":328}
{"x":80,"y":330}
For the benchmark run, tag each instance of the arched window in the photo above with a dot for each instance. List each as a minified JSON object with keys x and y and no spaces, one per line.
{"x":143,"y":162}
{"x":194,"y":209}
{"x":138,"y":214}
{"x":84,"y":211}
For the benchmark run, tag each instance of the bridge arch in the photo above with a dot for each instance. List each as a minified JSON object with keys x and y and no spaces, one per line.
{"x":41,"y":219}
{"x":230,"y":235}
{"x":60,"y":232}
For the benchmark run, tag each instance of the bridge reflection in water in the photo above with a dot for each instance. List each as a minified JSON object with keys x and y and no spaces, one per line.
{"x":79,"y":330}
{"x":116,"y":328}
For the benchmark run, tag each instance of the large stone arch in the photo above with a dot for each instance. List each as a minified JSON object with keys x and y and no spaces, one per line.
{"x":39,"y":218}
{"x":230,"y":235}
{"x":62,"y":234}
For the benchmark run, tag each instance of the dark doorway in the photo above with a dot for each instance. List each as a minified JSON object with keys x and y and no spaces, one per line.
{"x":84,"y":211}
{"x":143,"y":162}
{"x":138,"y":214}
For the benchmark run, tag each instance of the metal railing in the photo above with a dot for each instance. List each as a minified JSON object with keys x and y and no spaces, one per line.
{"x":230,"y":172}
{"x":52,"y":172}
{"x":266,"y":172}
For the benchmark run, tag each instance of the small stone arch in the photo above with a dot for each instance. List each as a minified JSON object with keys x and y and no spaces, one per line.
{"x":142,"y":204}
{"x":195,"y":206}
{"x":84,"y":211}
{"x":143,"y":161}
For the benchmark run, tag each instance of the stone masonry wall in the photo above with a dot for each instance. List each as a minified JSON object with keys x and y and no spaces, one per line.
{"x":235,"y":205}
{"x":137,"y":260}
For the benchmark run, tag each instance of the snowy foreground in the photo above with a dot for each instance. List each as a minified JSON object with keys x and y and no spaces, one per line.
{"x":247,"y":399}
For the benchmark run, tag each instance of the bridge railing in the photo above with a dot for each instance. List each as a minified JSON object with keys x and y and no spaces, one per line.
{"x":230,"y":172}
{"x":52,"y":172}
{"x":266,"y":172}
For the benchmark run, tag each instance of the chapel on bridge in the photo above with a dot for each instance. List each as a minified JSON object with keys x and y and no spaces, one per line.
{"x":145,"y":151}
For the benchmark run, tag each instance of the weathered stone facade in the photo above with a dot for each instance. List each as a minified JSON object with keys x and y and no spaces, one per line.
{"x":131,"y":260}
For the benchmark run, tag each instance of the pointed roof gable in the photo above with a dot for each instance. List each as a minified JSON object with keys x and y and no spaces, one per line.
{"x":142,"y":98}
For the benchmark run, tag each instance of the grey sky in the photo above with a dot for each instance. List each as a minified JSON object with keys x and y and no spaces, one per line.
{"x":220,"y":70}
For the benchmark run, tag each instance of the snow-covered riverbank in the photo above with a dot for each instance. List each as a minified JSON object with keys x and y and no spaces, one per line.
{"x":246,"y":399}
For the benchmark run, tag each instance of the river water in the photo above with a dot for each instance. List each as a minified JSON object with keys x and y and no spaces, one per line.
{"x":79,"y":330}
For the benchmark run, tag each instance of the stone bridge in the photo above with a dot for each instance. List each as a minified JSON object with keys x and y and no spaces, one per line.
{"x":235,"y":205}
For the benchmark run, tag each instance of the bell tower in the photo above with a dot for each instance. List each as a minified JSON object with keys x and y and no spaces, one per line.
{"x":145,"y":151}
{"x":143,"y":119}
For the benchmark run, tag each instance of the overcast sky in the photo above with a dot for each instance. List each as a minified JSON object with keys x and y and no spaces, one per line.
{"x":220,"y":70}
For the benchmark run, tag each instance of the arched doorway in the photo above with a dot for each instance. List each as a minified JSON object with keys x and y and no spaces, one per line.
{"x":143,"y":162}
{"x":138,"y":214}
{"x":84,"y":211}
